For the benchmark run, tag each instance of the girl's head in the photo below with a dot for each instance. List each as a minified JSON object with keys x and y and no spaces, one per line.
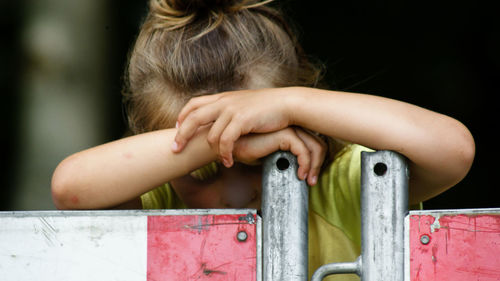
{"x":196,"y":47}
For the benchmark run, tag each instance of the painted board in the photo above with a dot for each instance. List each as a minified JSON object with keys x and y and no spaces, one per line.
{"x":129,"y":245}
{"x":457,"y":245}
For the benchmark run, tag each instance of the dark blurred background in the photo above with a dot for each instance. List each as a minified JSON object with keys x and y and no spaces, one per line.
{"x":62,"y":64}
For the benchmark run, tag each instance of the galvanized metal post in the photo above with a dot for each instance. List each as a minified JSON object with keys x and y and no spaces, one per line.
{"x":284,"y":213}
{"x":384,"y":203}
{"x":384,"y":206}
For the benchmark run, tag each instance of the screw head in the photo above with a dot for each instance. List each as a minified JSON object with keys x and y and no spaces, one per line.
{"x":425,"y":239}
{"x":242,"y":236}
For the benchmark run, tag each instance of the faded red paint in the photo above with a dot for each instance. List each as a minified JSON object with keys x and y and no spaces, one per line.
{"x":462,"y":247}
{"x":201,"y":247}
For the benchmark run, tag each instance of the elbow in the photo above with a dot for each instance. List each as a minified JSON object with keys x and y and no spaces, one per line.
{"x":464,"y":150}
{"x":468,"y":154}
{"x":63,"y":187}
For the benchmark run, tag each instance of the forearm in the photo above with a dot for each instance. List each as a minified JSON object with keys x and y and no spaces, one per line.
{"x":440,"y":148}
{"x":116,"y":172}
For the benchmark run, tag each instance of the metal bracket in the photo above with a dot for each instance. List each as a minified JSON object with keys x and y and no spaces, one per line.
{"x":384,"y":206}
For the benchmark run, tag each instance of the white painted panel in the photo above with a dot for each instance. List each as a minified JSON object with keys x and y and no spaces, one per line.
{"x":73,"y":248}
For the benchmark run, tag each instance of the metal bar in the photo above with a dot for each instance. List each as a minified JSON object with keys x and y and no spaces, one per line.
{"x":337,"y":268}
{"x":384,"y":205}
{"x":284,"y":213}
{"x":259,"y":248}
{"x":454,"y":212}
{"x":123,"y":213}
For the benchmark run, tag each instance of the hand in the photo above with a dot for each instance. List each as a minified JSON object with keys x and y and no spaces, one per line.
{"x":233,"y":114}
{"x":309,"y":149}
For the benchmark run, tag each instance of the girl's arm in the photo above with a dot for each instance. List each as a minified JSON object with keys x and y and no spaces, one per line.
{"x":113,"y":173}
{"x":440,"y":148}
{"x":117,"y":173}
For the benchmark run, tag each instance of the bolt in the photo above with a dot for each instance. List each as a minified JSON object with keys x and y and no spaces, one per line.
{"x":242,"y":236}
{"x":425,"y":239}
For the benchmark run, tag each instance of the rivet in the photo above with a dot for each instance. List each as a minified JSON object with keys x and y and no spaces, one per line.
{"x":425,"y":239}
{"x":242,"y":236}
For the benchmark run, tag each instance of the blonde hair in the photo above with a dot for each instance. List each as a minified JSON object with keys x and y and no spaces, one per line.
{"x":196,"y":47}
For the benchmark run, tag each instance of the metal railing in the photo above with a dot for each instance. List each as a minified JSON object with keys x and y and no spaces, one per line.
{"x":384,"y":206}
{"x":284,"y":239}
{"x":35,"y":244}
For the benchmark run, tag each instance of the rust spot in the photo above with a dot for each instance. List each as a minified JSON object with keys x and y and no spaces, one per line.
{"x":434,"y":257}
{"x":209,"y":271}
{"x":434,"y":253}
{"x":249,"y":218}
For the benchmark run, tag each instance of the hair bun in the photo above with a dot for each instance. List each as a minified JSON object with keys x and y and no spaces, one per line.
{"x":187,"y":7}
{"x":191,"y":6}
{"x":173,"y":14}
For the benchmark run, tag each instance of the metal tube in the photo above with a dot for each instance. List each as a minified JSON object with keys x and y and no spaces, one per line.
{"x":284,"y":213}
{"x":384,"y":205}
{"x":337,"y":268}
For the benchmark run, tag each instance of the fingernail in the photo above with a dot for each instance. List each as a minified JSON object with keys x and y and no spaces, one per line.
{"x":305,"y":176}
{"x":225,"y":162}
{"x":175,"y":146}
{"x":177,"y":125}
{"x":314,"y":180}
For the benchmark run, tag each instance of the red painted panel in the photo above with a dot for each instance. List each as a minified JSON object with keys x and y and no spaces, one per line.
{"x":461,"y":247}
{"x":201,"y":247}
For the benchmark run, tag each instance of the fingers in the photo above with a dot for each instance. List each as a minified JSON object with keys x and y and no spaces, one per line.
{"x":295,"y":145}
{"x":228,"y":124}
{"x":194,"y":104}
{"x":308,"y":149}
{"x":233,"y":131}
{"x":233,"y":114}
{"x":221,"y":138}
{"x":317,"y":150}
{"x":251,"y":148}
{"x":197,"y":118}
{"x":225,"y":130}
{"x":230,"y":121}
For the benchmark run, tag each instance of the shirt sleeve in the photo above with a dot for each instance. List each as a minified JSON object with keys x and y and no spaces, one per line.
{"x":162,"y":197}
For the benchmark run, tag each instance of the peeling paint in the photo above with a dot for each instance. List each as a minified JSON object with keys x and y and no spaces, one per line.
{"x":249,"y":218}
{"x":435,"y":225}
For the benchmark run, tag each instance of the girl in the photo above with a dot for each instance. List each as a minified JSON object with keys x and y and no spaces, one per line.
{"x":214,"y":86}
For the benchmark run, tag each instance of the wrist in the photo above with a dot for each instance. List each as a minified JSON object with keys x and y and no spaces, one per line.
{"x":196,"y":154}
{"x":294,"y":102}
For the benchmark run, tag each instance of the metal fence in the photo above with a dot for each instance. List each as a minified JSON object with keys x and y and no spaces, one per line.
{"x":238,"y":245}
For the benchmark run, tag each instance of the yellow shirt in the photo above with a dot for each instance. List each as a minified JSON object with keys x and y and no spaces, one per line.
{"x":334,"y":211}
